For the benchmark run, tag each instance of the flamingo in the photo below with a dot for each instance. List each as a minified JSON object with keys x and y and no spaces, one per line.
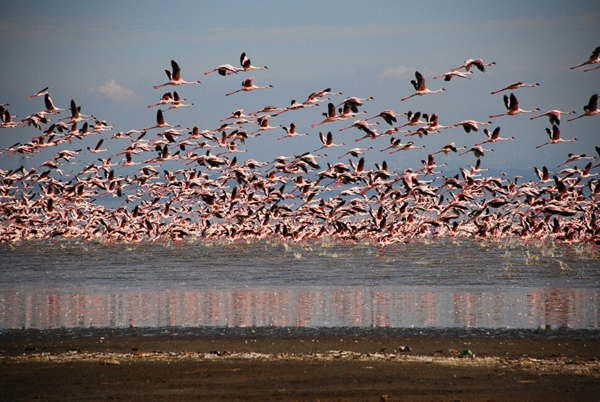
{"x":291,"y":132}
{"x":471,"y":125}
{"x":470,"y":63}
{"x":225,"y":69}
{"x":553,"y":116}
{"x":420,"y":87}
{"x":591,"y":109}
{"x":493,"y":136}
{"x":512,"y":106}
{"x":388,"y":116}
{"x":554,"y":135}
{"x":406,"y":147}
{"x":97,"y":148}
{"x":76,"y":115}
{"x":166,"y":99}
{"x":330,"y":116}
{"x":248,"y":85}
{"x":516,"y":85}
{"x":360,"y":124}
{"x":594,"y":59}
{"x":263,"y":124}
{"x":160,"y":122}
{"x":451,"y":74}
{"x":356,"y":152}
{"x":450,"y":147}
{"x":353,"y":102}
{"x":50,"y":108}
{"x":327,"y":141}
{"x":247,"y":65}
{"x":41,"y":92}
{"x":413,"y":120}
{"x":477,"y":150}
{"x":175,"y":77}
{"x":178,"y":102}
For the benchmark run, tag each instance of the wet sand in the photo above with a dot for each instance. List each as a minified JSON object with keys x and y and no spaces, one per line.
{"x":297,"y":368}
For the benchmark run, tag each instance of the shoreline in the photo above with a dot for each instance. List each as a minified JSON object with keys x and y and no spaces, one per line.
{"x":270,"y":365}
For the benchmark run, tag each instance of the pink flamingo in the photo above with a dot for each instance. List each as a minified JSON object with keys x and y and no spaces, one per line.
{"x":553,"y":116}
{"x":248,"y":85}
{"x":516,"y":85}
{"x":591,"y":109}
{"x":594,"y":59}
{"x":420,"y":87}
{"x":512,"y":106}
{"x":554,"y":135}
{"x":175,"y":77}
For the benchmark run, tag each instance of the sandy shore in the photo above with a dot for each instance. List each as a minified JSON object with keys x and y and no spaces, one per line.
{"x":297,"y":368}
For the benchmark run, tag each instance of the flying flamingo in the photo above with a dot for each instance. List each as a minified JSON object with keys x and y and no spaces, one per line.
{"x":166,"y":99}
{"x":41,"y":92}
{"x":450,"y":147}
{"x":330,"y":116}
{"x":356,"y":152}
{"x":512,"y":106}
{"x":553,"y":116}
{"x":388,"y":115}
{"x":327,"y":141}
{"x":360,"y":124}
{"x":263,"y":124}
{"x":590,"y":109}
{"x":477,"y":150}
{"x":594,"y":59}
{"x":451,"y":74}
{"x":225,"y":69}
{"x":554,"y":135}
{"x":493,"y":136}
{"x":248,"y":85}
{"x":471,"y":125}
{"x":247,"y":65}
{"x":175,"y":77}
{"x":160,"y":122}
{"x":420,"y":87}
{"x":516,"y":85}
{"x":291,"y":132}
{"x":468,"y":64}
{"x":50,"y":108}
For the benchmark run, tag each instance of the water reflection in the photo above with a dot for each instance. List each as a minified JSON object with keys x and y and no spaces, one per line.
{"x":397,"y":307}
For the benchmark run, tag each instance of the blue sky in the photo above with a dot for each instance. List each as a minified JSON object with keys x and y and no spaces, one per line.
{"x":107,"y":56}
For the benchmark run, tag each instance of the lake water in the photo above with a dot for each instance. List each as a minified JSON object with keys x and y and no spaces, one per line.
{"x":428,"y":284}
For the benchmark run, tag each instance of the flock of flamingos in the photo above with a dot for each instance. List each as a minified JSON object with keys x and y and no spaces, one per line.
{"x":187,"y":184}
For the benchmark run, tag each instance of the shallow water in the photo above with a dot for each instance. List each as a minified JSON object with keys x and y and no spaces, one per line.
{"x":428,"y":284}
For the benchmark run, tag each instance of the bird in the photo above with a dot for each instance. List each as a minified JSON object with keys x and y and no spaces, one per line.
{"x":330,"y":116}
{"x":360,"y":124}
{"x":477,"y":150}
{"x":50,"y":108}
{"x":225,"y":69}
{"x":178,"y":102}
{"x":175,"y":77}
{"x":512,"y":106}
{"x":591,"y":109}
{"x":327,"y":141}
{"x":388,"y":116}
{"x":41,"y":92}
{"x":450,"y":147}
{"x":166,"y":99}
{"x":291,"y":132}
{"x":160,"y":122}
{"x":263,"y":124}
{"x":420,"y":87}
{"x":247,"y":65}
{"x":97,"y":148}
{"x":493,"y":136}
{"x":451,"y":74}
{"x":471,"y":125}
{"x":516,"y":85}
{"x":248,"y":85}
{"x":553,"y":116}
{"x":594,"y":59}
{"x":470,"y":63}
{"x":554,"y":135}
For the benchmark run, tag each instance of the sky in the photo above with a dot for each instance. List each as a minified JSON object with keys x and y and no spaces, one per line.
{"x":108,"y":55}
